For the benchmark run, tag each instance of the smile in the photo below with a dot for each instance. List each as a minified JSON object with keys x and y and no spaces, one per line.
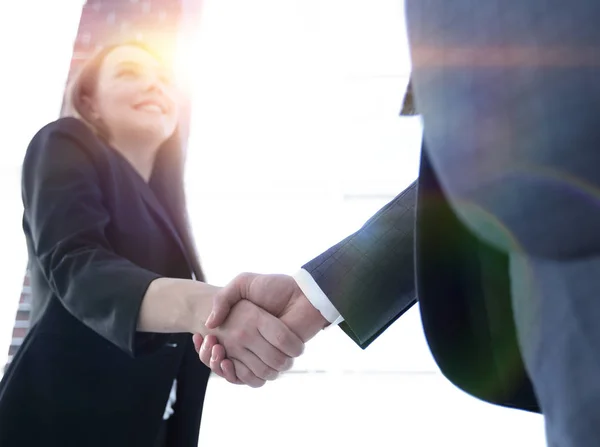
{"x":151,"y":107}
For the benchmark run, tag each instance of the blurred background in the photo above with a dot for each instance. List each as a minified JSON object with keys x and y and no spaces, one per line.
{"x":294,"y":141}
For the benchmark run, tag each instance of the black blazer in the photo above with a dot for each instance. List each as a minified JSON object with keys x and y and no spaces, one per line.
{"x":97,"y":236}
{"x":416,"y":247}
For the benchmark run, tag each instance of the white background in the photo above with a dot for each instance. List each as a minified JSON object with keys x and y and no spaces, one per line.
{"x":295,"y":142}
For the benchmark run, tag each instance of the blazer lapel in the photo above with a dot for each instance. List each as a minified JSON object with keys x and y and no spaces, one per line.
{"x":156,"y":207}
{"x":161,"y":213}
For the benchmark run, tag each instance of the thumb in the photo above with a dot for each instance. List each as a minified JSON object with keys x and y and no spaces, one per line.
{"x":227,"y":297}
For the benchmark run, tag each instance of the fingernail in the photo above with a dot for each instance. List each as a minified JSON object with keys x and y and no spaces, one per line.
{"x":213,"y":357}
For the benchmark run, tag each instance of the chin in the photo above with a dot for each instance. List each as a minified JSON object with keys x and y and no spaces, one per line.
{"x":160,"y":131}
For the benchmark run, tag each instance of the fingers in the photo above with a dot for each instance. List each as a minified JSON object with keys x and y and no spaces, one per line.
{"x":252,"y":330}
{"x":245,"y":343}
{"x":278,"y":335}
{"x":197,"y":339}
{"x":227,"y":297}
{"x":270,"y":356}
{"x":229,"y":371}
{"x":258,"y":365}
{"x":216,"y":357}
{"x":213,"y":355}
{"x":206,"y":348}
{"x":203,"y":347}
{"x":217,"y":360}
{"x":204,"y":352}
{"x":258,"y":343}
{"x":247,"y":376}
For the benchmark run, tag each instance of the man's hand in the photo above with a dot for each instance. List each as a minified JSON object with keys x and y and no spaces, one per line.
{"x":274,"y":293}
{"x":258,"y":344}
{"x":278,"y":295}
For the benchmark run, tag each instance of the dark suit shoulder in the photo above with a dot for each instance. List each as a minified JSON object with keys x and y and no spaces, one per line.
{"x":69,"y":126}
{"x":66,"y":145}
{"x":66,"y":138}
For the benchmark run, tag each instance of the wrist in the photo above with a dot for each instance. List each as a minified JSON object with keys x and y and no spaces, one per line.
{"x":174,"y":305}
{"x":303,"y":318}
{"x":313,"y":293}
{"x":197,"y":305}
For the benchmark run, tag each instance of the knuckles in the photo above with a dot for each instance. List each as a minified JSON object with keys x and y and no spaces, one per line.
{"x":240,"y":336}
{"x":289,"y":344}
{"x":250,"y":379}
{"x":282,"y":363}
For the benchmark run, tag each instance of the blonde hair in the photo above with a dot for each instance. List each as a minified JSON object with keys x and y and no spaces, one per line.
{"x":167,"y":179}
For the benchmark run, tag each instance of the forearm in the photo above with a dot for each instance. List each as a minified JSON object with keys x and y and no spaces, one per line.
{"x":369,"y":276}
{"x":173,"y":305}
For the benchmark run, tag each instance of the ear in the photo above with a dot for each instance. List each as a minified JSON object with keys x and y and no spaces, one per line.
{"x":89,"y":105}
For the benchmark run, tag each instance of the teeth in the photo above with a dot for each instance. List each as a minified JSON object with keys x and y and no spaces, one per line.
{"x":150,"y":108}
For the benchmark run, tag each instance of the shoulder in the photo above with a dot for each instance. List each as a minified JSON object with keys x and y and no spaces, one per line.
{"x":63,"y":136}
{"x":69,"y":127}
{"x":64,"y":144}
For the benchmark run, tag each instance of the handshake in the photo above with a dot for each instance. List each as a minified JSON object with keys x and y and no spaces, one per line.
{"x":258,"y":325}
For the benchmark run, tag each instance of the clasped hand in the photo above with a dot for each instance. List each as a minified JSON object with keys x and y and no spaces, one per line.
{"x":253,"y":351}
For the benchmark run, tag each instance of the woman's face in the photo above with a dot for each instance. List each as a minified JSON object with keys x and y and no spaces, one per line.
{"x":135,"y":97}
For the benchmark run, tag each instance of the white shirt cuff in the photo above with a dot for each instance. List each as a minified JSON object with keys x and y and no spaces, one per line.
{"x":317,"y":297}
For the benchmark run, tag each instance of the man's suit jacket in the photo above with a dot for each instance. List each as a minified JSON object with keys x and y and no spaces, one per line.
{"x":415,"y":249}
{"x":97,"y":237}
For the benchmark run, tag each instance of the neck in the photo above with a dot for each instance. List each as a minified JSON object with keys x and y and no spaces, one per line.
{"x":140,"y":154}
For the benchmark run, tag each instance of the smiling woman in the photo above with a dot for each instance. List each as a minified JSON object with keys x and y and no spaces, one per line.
{"x":120,"y":108}
{"x":116,"y":283}
{"x":123,"y":111}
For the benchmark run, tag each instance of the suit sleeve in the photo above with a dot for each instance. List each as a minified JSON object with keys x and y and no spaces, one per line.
{"x":67,"y":223}
{"x":369,"y":277}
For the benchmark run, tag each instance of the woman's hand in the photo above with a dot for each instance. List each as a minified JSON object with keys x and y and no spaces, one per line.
{"x":213,"y":355}
{"x":277,"y":294}
{"x":259,"y":346}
